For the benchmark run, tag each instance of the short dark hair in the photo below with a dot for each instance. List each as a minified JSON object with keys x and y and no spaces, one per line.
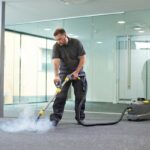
{"x":59,"y":31}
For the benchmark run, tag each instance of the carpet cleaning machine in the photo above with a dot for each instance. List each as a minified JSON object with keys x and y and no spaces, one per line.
{"x":138,"y":110}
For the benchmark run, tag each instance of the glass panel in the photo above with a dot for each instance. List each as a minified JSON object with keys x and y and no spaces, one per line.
{"x":133,"y":49}
{"x":11,"y":72}
{"x":105,"y":30}
{"x":139,"y":67}
{"x":50,"y":73}
{"x":33,"y":81}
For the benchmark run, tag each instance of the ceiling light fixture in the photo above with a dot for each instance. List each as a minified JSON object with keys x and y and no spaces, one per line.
{"x":75,"y":36}
{"x":141,"y":31}
{"x":47,"y":29}
{"x":99,"y":42}
{"x":137,"y":28}
{"x":70,"y":34}
{"x":121,"y":22}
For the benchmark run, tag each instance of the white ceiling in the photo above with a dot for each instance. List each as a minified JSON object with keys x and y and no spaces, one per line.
{"x":22,"y":11}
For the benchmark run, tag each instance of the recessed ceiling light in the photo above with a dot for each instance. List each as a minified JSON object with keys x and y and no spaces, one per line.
{"x":121,"y":22}
{"x":75,"y":36}
{"x":141,"y":31}
{"x":99,"y":42}
{"x":47,"y":29}
{"x":137,"y":28}
{"x":70,"y":34}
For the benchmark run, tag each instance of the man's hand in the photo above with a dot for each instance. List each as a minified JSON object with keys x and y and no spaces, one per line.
{"x":57,"y":79}
{"x":75,"y":75}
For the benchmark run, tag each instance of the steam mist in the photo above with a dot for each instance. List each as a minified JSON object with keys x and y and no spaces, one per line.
{"x":26,"y":122}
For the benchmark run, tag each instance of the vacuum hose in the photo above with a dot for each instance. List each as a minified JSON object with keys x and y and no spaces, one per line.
{"x":97,"y":124}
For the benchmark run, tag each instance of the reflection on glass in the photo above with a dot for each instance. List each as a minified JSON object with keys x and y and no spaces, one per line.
{"x":11,"y":70}
{"x":27,"y":68}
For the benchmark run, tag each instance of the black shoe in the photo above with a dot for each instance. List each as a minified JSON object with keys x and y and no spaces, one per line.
{"x":82,"y":120}
{"x":54,"y":123}
{"x":53,"y":120}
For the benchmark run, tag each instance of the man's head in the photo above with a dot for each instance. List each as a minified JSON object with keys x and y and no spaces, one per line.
{"x":60,"y":36}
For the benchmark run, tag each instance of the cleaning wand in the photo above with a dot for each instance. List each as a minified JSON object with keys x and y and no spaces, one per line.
{"x":59,"y":87}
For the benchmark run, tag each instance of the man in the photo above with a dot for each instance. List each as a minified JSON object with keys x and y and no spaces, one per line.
{"x":68,"y":58}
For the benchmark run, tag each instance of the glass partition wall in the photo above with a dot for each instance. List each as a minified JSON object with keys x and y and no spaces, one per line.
{"x":117,"y":66}
{"x":27,"y":65}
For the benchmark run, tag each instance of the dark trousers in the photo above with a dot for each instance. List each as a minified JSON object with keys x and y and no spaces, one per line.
{"x":79,"y":91}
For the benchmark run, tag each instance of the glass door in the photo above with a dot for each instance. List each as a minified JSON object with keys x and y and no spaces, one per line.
{"x":133,"y":67}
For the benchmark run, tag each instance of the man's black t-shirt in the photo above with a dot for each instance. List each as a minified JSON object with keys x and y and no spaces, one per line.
{"x":69,"y":55}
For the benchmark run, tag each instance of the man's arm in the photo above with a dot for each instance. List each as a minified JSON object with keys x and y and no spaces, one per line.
{"x":56,"y":64}
{"x":80,"y":66}
{"x":81,"y":63}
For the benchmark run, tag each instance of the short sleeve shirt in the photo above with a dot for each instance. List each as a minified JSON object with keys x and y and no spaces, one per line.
{"x":69,"y":55}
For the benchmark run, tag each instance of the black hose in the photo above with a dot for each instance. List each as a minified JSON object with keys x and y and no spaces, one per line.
{"x":100,"y":124}
{"x":97,"y":124}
